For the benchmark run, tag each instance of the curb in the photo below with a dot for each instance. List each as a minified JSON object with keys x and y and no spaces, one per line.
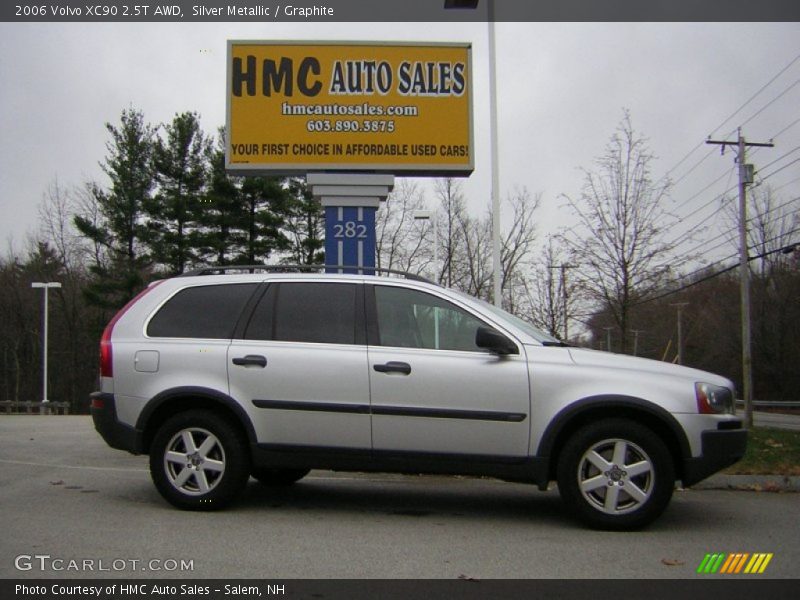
{"x":752,"y":483}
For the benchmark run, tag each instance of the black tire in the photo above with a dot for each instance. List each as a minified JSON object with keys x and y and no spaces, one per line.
{"x":626,"y":471}
{"x":279,"y":477}
{"x":199,"y":461}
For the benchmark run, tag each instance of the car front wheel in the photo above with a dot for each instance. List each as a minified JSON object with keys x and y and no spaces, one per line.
{"x":616,"y":474}
{"x":199,"y":461}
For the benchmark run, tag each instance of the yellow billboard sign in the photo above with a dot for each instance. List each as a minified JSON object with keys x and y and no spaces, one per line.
{"x":403,"y":108}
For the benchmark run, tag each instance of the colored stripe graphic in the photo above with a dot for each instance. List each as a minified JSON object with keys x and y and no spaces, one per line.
{"x":734,"y":563}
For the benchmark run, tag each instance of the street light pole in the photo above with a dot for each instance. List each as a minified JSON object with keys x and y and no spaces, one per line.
{"x":46,"y":287}
{"x":430,"y":215}
{"x":497,"y":265}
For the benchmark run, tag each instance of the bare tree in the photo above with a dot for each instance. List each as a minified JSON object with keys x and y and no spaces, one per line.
{"x":547,"y":295}
{"x":619,"y":240}
{"x":472,"y":257}
{"x":56,"y":213}
{"x":452,"y":210}
{"x":402,"y":242}
{"x":772,"y":224}
{"x":517,"y":243}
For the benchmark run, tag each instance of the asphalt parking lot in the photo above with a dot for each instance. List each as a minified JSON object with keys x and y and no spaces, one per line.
{"x":68,"y":497}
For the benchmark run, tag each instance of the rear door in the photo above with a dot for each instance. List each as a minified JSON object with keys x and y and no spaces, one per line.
{"x":301,"y":366}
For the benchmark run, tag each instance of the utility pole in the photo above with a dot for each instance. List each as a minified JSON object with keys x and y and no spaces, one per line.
{"x":680,"y":306}
{"x":564,"y":294}
{"x":636,"y":333}
{"x":745,"y":178}
{"x":608,"y":337}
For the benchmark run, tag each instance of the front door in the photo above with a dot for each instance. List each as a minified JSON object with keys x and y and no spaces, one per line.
{"x":433,"y":390}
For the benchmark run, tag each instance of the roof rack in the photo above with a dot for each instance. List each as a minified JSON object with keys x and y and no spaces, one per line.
{"x":223,"y":270}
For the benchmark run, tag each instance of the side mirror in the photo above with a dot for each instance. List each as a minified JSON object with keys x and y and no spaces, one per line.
{"x":494,"y":341}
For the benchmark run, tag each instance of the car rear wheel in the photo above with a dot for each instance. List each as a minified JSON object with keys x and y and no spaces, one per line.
{"x":616,"y":474}
{"x":279,"y":477}
{"x":199,"y":461}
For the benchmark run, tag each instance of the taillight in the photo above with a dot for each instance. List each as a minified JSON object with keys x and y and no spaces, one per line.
{"x":106,"y":362}
{"x":106,"y":355}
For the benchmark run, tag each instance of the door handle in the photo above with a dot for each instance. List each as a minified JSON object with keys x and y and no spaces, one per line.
{"x":393,"y":367}
{"x":251,"y":359}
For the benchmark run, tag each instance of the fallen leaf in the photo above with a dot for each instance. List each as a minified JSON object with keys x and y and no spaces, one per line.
{"x":467,"y":578}
{"x":672,"y":562}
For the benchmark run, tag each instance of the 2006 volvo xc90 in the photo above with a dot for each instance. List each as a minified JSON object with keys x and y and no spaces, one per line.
{"x":220,"y":376}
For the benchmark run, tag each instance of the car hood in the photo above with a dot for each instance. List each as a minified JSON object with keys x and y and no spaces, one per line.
{"x":608,"y":360}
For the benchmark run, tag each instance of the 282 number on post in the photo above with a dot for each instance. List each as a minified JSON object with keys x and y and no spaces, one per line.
{"x":350,"y":230}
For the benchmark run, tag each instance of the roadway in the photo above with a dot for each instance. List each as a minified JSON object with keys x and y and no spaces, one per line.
{"x":68,"y":496}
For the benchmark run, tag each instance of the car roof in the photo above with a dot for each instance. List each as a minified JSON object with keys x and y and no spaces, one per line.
{"x":304,"y":270}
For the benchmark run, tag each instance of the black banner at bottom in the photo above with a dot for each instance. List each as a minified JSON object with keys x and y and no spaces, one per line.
{"x":429,"y":589}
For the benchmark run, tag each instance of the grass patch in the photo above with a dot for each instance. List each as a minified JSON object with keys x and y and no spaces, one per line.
{"x":769,"y":452}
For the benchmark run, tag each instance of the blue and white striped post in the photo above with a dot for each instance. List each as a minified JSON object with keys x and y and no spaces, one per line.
{"x":350,"y":202}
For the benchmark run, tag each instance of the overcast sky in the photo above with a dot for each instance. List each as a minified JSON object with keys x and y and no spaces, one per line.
{"x":561,"y":92}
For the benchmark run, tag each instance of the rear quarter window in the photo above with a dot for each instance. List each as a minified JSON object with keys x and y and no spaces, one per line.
{"x":208,"y":312}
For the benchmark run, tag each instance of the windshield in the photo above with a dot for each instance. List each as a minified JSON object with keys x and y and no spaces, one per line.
{"x":537,"y":334}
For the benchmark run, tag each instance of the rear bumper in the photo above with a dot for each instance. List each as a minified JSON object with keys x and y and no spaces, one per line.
{"x":720,"y":449}
{"x":117,"y":435}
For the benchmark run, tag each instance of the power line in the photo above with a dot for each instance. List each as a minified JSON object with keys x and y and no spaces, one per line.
{"x":761,"y":89}
{"x":728,"y":269}
{"x":723,"y":271}
{"x":731,"y":116}
{"x":724,"y":241}
{"x":749,"y":220}
{"x":780,"y":158}
{"x":776,"y":171}
{"x":771,"y":102}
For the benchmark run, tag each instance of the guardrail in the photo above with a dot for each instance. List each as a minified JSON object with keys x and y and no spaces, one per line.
{"x":11,"y":407}
{"x":770,"y":404}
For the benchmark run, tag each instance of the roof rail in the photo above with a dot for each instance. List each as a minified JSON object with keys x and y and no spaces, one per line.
{"x":223,"y":270}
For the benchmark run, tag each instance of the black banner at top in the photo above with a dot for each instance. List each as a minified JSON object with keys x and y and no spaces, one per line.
{"x":398,"y":10}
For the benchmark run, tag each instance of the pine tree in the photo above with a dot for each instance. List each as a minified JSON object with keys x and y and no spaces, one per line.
{"x":264,"y":204}
{"x":218,"y":237}
{"x":181,"y":173}
{"x":120,"y":270}
{"x":305,"y":225}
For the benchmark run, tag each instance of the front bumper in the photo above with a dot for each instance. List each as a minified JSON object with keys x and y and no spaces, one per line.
{"x":117,"y":435}
{"x":721,"y":448}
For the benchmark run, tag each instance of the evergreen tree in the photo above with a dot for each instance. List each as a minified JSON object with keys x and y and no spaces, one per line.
{"x":265,"y":201}
{"x":181,"y":174}
{"x":218,"y":237}
{"x":120,"y":270}
{"x":305,"y":225}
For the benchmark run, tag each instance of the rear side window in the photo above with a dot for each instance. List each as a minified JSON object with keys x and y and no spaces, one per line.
{"x":323,"y":313}
{"x":208,"y":312}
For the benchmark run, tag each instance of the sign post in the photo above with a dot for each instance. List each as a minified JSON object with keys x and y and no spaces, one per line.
{"x":350,"y":116}
{"x":350,"y":203}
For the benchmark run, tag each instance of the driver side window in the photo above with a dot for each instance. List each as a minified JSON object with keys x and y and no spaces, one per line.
{"x":413,"y":319}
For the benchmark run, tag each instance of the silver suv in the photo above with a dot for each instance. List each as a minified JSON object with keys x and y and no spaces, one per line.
{"x":224,"y":374}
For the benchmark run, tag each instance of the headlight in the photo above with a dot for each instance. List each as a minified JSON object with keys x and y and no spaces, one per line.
{"x":713,"y":399}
